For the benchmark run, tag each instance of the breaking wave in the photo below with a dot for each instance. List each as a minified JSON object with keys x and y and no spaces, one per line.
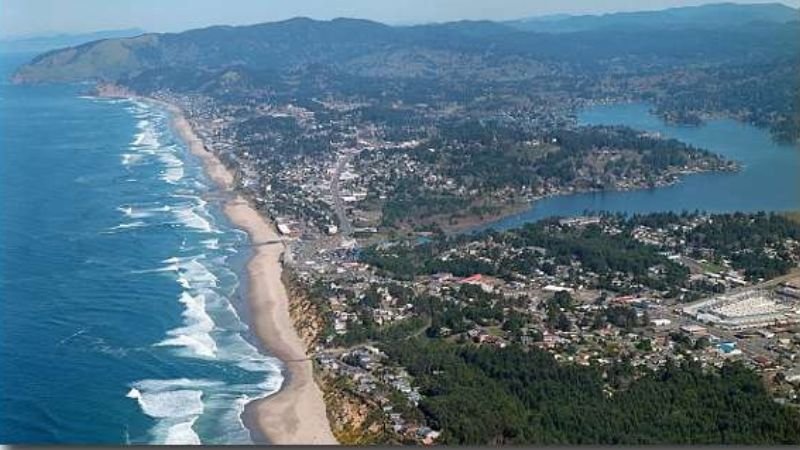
{"x":190,"y":217}
{"x":141,"y":213}
{"x":175,"y":404}
{"x":202,"y":408}
{"x":125,"y":226}
{"x":195,"y":335}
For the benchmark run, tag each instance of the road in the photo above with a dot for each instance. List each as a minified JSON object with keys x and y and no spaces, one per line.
{"x":752,"y":346}
{"x":345,"y":228}
{"x":337,"y":351}
{"x":755,"y":346}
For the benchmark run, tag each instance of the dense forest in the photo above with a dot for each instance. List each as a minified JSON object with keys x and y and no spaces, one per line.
{"x":753,"y":243}
{"x":597,"y":251}
{"x":512,"y":396}
{"x":758,"y":244}
{"x":488,"y":156}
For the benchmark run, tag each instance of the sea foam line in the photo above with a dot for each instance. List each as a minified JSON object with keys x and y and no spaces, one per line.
{"x":189,"y":217}
{"x":177,"y":404}
{"x":195,"y":335}
{"x":125,"y":226}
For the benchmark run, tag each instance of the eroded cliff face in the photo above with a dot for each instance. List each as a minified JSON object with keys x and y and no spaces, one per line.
{"x":305,"y":314}
{"x":354,"y":420}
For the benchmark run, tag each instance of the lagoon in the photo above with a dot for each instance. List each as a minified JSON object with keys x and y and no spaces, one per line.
{"x":768,"y":180}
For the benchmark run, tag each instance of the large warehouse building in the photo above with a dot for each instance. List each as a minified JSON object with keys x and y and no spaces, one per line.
{"x":747,"y":309}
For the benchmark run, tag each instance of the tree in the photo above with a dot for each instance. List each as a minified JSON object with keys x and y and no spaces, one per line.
{"x":563,"y":323}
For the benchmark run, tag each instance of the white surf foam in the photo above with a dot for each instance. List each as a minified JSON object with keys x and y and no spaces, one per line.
{"x":211,"y":244}
{"x":169,"y":158}
{"x":196,"y":344}
{"x":175,"y":405}
{"x":195,"y":336}
{"x":146,"y":140}
{"x":125,"y":226}
{"x":140,"y":105}
{"x":181,"y":259}
{"x":172,"y":175}
{"x":181,"y":434}
{"x":237,"y":415}
{"x":210,"y":328}
{"x":169,"y":404}
{"x":197,"y":275}
{"x":155,"y":385}
{"x":129,"y":159}
{"x":189,"y":217}
{"x":141,"y":213}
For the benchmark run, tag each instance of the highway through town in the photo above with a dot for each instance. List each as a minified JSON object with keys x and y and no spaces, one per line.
{"x":345,"y":228}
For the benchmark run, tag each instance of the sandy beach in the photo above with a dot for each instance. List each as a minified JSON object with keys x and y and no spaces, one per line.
{"x":296,"y":414}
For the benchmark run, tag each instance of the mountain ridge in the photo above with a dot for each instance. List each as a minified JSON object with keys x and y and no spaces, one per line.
{"x":358,"y":44}
{"x":43,"y":43}
{"x":708,"y":16}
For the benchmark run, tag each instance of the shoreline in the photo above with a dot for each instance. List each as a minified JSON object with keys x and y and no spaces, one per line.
{"x":469,"y":225}
{"x":296,"y":414}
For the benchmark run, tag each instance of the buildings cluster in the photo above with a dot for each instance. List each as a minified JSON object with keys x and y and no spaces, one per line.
{"x":365,"y":371}
{"x":325,"y":190}
{"x":750,"y":308}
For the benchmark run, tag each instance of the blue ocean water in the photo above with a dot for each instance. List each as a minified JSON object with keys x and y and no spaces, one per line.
{"x":120,"y":309}
{"x":769,"y":179}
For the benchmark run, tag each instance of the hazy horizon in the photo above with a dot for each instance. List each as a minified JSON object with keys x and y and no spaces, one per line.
{"x":33,"y":18}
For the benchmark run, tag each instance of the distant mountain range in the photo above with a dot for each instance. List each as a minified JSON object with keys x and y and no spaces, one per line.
{"x":710,"y":16}
{"x":30,"y":44}
{"x":367,"y":48}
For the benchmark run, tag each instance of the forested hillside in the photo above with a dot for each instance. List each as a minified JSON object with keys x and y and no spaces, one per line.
{"x":673,"y":68}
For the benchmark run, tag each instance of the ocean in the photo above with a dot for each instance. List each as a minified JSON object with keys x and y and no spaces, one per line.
{"x":123,"y":317}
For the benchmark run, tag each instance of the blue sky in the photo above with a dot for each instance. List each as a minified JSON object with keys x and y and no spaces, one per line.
{"x":23,"y":17}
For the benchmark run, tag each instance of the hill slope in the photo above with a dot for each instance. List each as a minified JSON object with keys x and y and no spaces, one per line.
{"x":45,"y":43}
{"x":364,"y":47}
{"x":714,"y":16}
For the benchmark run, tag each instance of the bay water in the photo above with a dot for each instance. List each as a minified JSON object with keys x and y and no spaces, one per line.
{"x":769,"y":179}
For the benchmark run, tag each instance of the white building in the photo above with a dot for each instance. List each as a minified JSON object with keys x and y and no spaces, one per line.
{"x":284,"y":229}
